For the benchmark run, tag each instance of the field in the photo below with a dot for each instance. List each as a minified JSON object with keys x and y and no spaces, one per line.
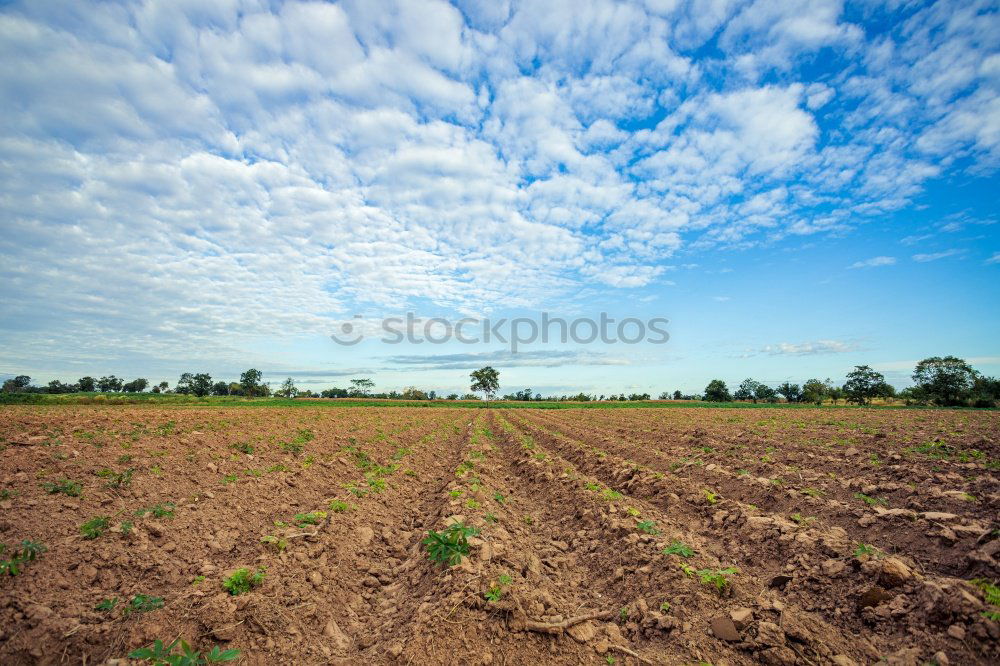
{"x":605,"y":536}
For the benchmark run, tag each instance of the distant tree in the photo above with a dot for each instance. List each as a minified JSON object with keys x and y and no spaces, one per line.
{"x":665,"y":395}
{"x":986,"y":392}
{"x":155,"y":389}
{"x":677,"y":395}
{"x":87,"y":384}
{"x":413,"y":393}
{"x":17,"y":384}
{"x":765,"y":393}
{"x":135,"y":386}
{"x":945,"y":380}
{"x":250,"y":382}
{"x":432,"y":395}
{"x":791,"y":392}
{"x":201,"y":384}
{"x":814,"y":391}
{"x":638,"y":396}
{"x":452,"y":396}
{"x":184,"y":384}
{"x":538,"y":397}
{"x":287,"y":389}
{"x":717,"y":391}
{"x":220,"y":388}
{"x":56,"y":386}
{"x":747,"y":390}
{"x":361,"y":386}
{"x":486,"y":381}
{"x":334,"y":393}
{"x":164,"y":386}
{"x":235,"y":388}
{"x":863,"y":383}
{"x":109,"y":383}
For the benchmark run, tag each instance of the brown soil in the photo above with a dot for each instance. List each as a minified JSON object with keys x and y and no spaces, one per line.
{"x":574,"y":506}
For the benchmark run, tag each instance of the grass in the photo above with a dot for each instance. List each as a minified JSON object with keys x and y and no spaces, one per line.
{"x":64,"y":486}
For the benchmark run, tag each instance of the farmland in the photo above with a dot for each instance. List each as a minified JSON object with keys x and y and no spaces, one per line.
{"x":626,"y":536}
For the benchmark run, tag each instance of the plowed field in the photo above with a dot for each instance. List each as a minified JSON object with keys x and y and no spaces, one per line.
{"x":666,"y":536}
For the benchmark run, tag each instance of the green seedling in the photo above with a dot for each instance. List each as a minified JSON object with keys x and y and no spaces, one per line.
{"x":159,"y":654}
{"x":505,"y":579}
{"x":164,"y":510}
{"x":710,"y":496}
{"x":95,"y":527}
{"x":448,"y":546}
{"x":678,"y":548}
{"x":500,"y":499}
{"x":142,"y":603}
{"x":243,"y":447}
{"x":870,"y":501}
{"x":117,"y":479}
{"x":665,"y":606}
{"x":311,"y":518}
{"x":126,"y":527}
{"x":197,"y":580}
{"x":338,"y":506}
{"x":593,"y":487}
{"x":472,"y":504}
{"x":802,"y":520}
{"x":864,"y":549}
{"x":242,"y":581}
{"x":7,"y":493}
{"x":632,"y":511}
{"x":611,"y":495}
{"x":273,"y":541}
{"x":717,"y":577}
{"x":812,"y":492}
{"x":107,"y":605}
{"x":490,"y":518}
{"x":64,"y":486}
{"x":688,"y":570}
{"x":493,"y":594}
{"x":647,"y":526}
{"x":529,"y":520}
{"x":28,"y":552}
{"x":230,"y":478}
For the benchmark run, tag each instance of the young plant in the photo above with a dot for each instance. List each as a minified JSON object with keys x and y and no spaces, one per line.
{"x":142,"y":603}
{"x":28,"y":552}
{"x":107,"y":605}
{"x":159,"y":654}
{"x":120,"y":479}
{"x":717,"y":577}
{"x":864,"y":549}
{"x":647,"y":526}
{"x":870,"y":501}
{"x":164,"y":510}
{"x":242,"y":581}
{"x":311,"y":518}
{"x":243,"y":447}
{"x":803,"y":521}
{"x":490,"y":518}
{"x":64,"y":486}
{"x":678,"y":548}
{"x":448,"y":546}
{"x":95,"y":527}
{"x":710,"y":496}
{"x":276,"y":543}
{"x":338,"y":506}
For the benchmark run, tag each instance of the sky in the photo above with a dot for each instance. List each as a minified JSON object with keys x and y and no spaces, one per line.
{"x":797,"y":186}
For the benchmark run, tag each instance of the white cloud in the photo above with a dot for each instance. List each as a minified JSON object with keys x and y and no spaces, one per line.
{"x":809,"y":348}
{"x":995,"y":259}
{"x":934,"y":256}
{"x":874,"y":262}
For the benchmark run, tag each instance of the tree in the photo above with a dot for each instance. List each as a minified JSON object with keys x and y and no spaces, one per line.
{"x":109,"y":383}
{"x":184,"y":383}
{"x":235,"y":388}
{"x":791,"y":392}
{"x":486,"y":381}
{"x":863,"y":383}
{"x":814,"y":391}
{"x":250,"y":381}
{"x":135,"y":386}
{"x":765,"y":393}
{"x":717,"y":391}
{"x":87,"y":384}
{"x":17,"y":384}
{"x":677,"y":395}
{"x":946,"y":381}
{"x":452,"y":396}
{"x":361,"y":386}
{"x":986,"y":392}
{"x":288,"y":389}
{"x":220,"y":388}
{"x":747,"y":390}
{"x":56,"y":386}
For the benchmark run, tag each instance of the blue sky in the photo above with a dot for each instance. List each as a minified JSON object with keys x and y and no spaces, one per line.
{"x":798,"y":186}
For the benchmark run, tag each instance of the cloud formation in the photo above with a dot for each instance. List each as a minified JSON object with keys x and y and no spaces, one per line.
{"x":182,"y":179}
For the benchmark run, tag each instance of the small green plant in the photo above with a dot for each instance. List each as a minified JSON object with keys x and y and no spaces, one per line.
{"x":529,"y":520}
{"x":647,"y":526}
{"x":490,"y":518}
{"x":500,"y":499}
{"x":275,"y":542}
{"x":338,"y":506}
{"x":505,"y":579}
{"x":802,"y":520}
{"x":471,"y":503}
{"x":28,"y":552}
{"x":7,"y":493}
{"x":665,"y":606}
{"x":118,"y":479}
{"x":592,"y":487}
{"x":243,"y":447}
{"x":126,"y":527}
{"x":611,"y":495}
{"x":623,"y":613}
{"x":124,"y":459}
{"x":64,"y":486}
{"x":870,"y":501}
{"x":107,"y":605}
{"x":277,"y":468}
{"x":678,"y":548}
{"x":455,"y":493}
{"x":163,"y":655}
{"x":812,"y":492}
{"x":311,"y":518}
{"x":242,"y":581}
{"x":164,"y":510}
{"x":710,"y":496}
{"x":494,"y":593}
{"x":197,"y":580}
{"x":142,"y":603}
{"x":717,"y":577}
{"x":632,"y":511}
{"x":448,"y":546}
{"x":864,"y":549}
{"x":95,"y":527}
{"x":688,"y":570}
{"x":230,"y":478}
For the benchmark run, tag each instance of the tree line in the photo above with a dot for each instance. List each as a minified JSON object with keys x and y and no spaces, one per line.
{"x":946,"y":381}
